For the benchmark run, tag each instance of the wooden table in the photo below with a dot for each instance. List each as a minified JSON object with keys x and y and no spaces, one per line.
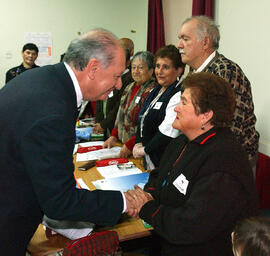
{"x":127,"y":228}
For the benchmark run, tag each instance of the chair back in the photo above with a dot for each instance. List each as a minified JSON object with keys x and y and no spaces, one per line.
{"x":104,"y":243}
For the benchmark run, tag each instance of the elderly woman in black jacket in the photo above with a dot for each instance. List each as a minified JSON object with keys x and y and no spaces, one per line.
{"x":204,"y":183}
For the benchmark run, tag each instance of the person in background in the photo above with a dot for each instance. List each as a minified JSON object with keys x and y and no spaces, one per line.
{"x":62,"y":57}
{"x":37,"y":141}
{"x":198,"y":43}
{"x":106,"y":110}
{"x":128,"y":44}
{"x":204,"y":183}
{"x":29,"y":55}
{"x":251,"y":237}
{"x":155,"y":129}
{"x":132,"y":100}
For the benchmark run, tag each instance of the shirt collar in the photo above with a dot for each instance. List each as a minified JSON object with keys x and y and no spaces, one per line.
{"x":125,"y":71}
{"x":179,"y":82}
{"x":76,"y":84}
{"x":210,"y":57}
{"x":202,"y":139}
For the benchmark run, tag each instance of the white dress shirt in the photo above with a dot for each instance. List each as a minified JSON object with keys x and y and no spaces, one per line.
{"x":79,"y":103}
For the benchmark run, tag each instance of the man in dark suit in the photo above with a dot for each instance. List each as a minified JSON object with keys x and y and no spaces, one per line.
{"x":106,"y":110}
{"x":37,"y":140}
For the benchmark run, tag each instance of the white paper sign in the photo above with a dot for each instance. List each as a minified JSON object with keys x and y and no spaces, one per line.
{"x":158,"y":105}
{"x":137,"y":100}
{"x":44,"y":43}
{"x":181,"y":183}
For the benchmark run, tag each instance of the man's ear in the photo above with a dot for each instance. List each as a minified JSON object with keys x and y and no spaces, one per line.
{"x":92,"y":67}
{"x":206,"y":42}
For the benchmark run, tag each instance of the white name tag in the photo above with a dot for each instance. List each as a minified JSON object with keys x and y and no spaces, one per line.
{"x":181,"y":183}
{"x":137,"y":99}
{"x":110,"y":94}
{"x":158,"y":105}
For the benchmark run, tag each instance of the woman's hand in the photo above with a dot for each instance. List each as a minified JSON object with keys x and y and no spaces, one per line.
{"x":110,"y":142}
{"x":125,"y":152}
{"x":138,"y":150}
{"x":140,"y":198}
{"x":97,"y":128}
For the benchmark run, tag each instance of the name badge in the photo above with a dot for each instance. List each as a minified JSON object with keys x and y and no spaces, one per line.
{"x":110,"y":94}
{"x":158,"y":105}
{"x":137,"y":99}
{"x":181,"y":183}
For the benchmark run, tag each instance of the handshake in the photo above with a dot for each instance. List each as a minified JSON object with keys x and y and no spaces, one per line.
{"x":135,"y":199}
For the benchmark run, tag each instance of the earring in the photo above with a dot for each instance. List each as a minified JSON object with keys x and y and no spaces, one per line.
{"x":202,"y":128}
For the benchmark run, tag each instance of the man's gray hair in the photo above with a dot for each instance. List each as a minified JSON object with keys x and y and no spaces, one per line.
{"x":98,"y":43}
{"x":145,"y":56}
{"x":206,"y":27}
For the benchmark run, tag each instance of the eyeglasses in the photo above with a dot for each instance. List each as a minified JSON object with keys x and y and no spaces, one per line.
{"x":139,"y":67}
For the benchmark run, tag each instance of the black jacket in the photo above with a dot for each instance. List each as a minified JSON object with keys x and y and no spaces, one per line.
{"x":152,"y":139}
{"x":215,"y":189}
{"x":13,"y":72}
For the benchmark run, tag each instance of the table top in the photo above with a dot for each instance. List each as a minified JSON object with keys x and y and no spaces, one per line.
{"x":127,"y":228}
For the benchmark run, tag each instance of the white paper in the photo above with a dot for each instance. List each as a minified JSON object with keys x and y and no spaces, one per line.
{"x":82,"y":184}
{"x":122,"y":183}
{"x":75,"y":149}
{"x":99,"y":154}
{"x":91,"y":143}
{"x":113,"y":171}
{"x":70,"y":229}
{"x":44,"y":44}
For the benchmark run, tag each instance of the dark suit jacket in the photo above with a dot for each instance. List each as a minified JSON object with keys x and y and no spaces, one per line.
{"x":36,"y":163}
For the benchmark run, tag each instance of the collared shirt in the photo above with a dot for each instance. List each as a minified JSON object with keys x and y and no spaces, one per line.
{"x":210,"y":57}
{"x":79,"y":102}
{"x":125,"y":71}
{"x":166,"y":126}
{"x":76,"y":85}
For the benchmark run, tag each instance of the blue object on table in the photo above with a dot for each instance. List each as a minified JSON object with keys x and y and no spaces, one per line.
{"x":83,"y":133}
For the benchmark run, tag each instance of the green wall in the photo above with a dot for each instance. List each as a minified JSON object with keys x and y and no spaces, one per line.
{"x":64,"y":19}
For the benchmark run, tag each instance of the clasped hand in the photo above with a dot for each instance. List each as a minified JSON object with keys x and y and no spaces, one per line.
{"x":138,"y":150}
{"x":135,"y":200}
